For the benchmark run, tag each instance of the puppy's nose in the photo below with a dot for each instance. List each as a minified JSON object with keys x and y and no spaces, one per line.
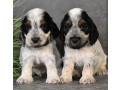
{"x":75,"y":39}
{"x":35,"y":39}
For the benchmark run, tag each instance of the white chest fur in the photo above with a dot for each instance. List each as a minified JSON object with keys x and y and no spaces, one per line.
{"x":36,"y":53}
{"x":79,"y":56}
{"x":88,"y":54}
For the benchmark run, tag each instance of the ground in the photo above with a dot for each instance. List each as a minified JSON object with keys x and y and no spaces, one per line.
{"x":39,"y":84}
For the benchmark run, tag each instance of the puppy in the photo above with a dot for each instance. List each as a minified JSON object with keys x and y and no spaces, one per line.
{"x":82,"y":47}
{"x":38,"y":51}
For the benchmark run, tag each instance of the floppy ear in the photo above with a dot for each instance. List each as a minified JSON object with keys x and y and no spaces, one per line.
{"x":93,"y":34}
{"x":62,"y":35}
{"x":54,"y":30}
{"x":23,"y":30}
{"x":22,"y":38}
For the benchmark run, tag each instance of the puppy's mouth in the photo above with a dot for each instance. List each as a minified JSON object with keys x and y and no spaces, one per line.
{"x":38,"y":45}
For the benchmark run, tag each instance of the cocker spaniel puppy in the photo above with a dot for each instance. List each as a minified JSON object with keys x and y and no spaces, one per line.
{"x":82,"y":47}
{"x":38,"y":51}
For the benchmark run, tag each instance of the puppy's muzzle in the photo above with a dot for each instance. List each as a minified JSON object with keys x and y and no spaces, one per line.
{"x":36,"y":42}
{"x":35,"y":39}
{"x":75,"y":40}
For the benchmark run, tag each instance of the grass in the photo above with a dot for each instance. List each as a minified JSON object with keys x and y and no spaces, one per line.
{"x":16,"y":47}
{"x":16,"y":41}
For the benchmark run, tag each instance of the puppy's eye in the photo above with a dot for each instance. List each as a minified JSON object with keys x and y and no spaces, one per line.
{"x":45,"y":27}
{"x":67,"y":26}
{"x":84,"y":26}
{"x":27,"y":27}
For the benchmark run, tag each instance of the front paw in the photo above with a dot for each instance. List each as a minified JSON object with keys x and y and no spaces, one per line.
{"x":87,"y":80}
{"x":102,"y":72}
{"x":53,"y":79}
{"x":24,"y":79}
{"x":65,"y":79}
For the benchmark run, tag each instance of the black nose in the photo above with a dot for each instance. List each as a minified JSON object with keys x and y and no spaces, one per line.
{"x":75,"y":39}
{"x":35,"y":39}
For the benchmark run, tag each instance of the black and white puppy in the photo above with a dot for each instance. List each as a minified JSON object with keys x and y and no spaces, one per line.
{"x":38,"y":51}
{"x":82,"y":47}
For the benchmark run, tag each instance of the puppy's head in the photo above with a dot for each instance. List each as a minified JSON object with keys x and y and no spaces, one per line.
{"x":78,"y":29}
{"x":38,"y":28}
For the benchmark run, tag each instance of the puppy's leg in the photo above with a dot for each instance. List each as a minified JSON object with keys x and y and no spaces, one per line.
{"x":102,"y":70}
{"x":52,"y":76}
{"x":26,"y":76}
{"x":67,"y":71}
{"x":87,"y":74}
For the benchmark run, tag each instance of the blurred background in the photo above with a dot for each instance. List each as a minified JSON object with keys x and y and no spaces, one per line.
{"x":96,"y":9}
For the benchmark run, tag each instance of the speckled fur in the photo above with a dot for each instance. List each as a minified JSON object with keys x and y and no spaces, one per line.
{"x":91,"y":57}
{"x":41,"y":59}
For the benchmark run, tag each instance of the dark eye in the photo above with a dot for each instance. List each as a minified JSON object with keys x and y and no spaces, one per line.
{"x":84,"y":26}
{"x":67,"y":26}
{"x":27,"y":27}
{"x":45,"y":27}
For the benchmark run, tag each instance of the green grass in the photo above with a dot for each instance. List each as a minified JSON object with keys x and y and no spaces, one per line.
{"x":16,"y":41}
{"x":16,"y":47}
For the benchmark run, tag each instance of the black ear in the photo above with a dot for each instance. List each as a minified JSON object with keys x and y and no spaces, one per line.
{"x":53,"y":27}
{"x":23,"y":30}
{"x":23,"y":25}
{"x":93,"y":34}
{"x":22,"y":38}
{"x":54,"y":30}
{"x":62,"y":34}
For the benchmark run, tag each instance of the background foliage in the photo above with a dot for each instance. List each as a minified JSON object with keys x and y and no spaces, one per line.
{"x":16,"y":41}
